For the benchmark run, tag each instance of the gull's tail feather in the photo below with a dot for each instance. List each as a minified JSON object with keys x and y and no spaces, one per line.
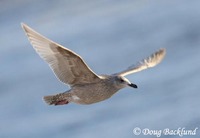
{"x":58,"y":99}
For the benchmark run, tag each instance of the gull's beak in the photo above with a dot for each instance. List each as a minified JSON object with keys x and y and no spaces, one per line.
{"x":133,"y":85}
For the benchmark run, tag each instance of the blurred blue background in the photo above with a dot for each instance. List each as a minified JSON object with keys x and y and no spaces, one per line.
{"x":110,"y":35}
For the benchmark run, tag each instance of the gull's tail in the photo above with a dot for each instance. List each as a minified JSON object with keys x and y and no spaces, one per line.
{"x":58,"y":99}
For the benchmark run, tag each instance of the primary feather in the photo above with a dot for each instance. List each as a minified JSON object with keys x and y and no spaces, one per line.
{"x":146,"y":63}
{"x":68,"y":66}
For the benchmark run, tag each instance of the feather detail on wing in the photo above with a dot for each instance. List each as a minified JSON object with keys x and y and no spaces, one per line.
{"x":68,"y":67}
{"x":146,"y":63}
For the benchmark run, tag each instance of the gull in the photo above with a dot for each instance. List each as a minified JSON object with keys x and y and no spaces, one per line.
{"x":86,"y":86}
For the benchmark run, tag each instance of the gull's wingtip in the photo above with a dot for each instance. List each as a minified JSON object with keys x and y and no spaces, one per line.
{"x":23,"y":24}
{"x":162,"y":51}
{"x":160,"y":54}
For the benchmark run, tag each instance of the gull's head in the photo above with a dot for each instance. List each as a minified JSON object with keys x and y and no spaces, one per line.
{"x":122,"y":82}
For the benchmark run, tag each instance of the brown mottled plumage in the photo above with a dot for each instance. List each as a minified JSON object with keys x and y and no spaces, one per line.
{"x":86,"y":86}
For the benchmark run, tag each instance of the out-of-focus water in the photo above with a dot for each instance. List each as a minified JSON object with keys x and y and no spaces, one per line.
{"x":110,"y":36}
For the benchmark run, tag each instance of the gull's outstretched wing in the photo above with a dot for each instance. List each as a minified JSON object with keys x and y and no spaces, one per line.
{"x":146,"y":63}
{"x":68,"y":67}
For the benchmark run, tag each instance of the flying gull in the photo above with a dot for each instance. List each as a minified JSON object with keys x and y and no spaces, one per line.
{"x":86,"y":86}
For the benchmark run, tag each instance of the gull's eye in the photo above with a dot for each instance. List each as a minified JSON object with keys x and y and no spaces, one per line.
{"x":121,"y":80}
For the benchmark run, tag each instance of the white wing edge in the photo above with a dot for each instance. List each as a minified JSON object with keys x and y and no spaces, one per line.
{"x":146,"y":63}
